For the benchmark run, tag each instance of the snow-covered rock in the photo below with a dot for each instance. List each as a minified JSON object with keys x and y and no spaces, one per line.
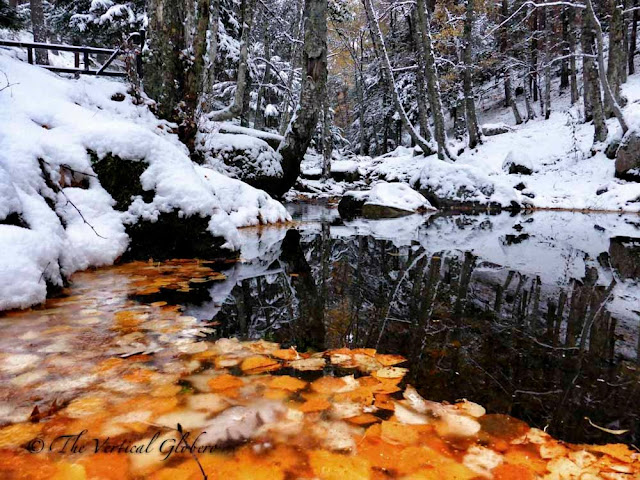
{"x":454,"y":186}
{"x":382,"y":201}
{"x":491,"y":129}
{"x":628,"y":157}
{"x":517,"y":163}
{"x":345,"y":170}
{"x":244,"y":157}
{"x":53,"y":131}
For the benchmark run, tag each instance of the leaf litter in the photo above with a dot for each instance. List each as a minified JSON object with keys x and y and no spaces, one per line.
{"x":115,"y":359}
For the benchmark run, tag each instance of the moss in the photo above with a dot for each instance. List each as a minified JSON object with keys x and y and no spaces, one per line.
{"x":121,"y":178}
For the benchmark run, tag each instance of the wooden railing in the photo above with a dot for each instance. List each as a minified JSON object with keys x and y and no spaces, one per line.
{"x":134,"y":38}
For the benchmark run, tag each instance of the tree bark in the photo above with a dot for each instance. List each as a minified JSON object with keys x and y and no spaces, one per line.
{"x":312,"y":93}
{"x":564,"y":67}
{"x":632,"y":39}
{"x":381,"y":51}
{"x":608,"y":94}
{"x":421,"y":91}
{"x":327,"y":140}
{"x":39,"y":31}
{"x":212,"y":52}
{"x":433,"y":86}
{"x":547,"y":64}
{"x":594,"y":108}
{"x":616,"y":52}
{"x":512,"y":99}
{"x":469,"y":102}
{"x":573,"y":75}
{"x":236,"y":107}
{"x":259,"y":122}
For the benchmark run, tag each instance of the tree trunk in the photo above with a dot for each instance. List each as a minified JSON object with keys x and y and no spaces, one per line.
{"x":236,"y":108}
{"x":512,"y":96}
{"x":164,"y":72}
{"x":533,"y":57}
{"x":632,"y":39}
{"x":259,"y":122}
{"x":564,"y":66}
{"x":212,"y":52}
{"x":504,"y":42}
{"x":593,"y":102}
{"x":312,"y":93}
{"x":327,"y":140}
{"x":286,"y":111}
{"x":433,"y":86}
{"x":39,"y":31}
{"x":573,"y":75}
{"x":469,"y":102}
{"x":421,"y":91}
{"x":381,"y":51}
{"x":608,"y":94}
{"x":531,"y":114}
{"x":616,"y":52}
{"x":547,"y":64}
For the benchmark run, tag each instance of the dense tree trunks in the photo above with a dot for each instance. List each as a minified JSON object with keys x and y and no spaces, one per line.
{"x":632,"y":39}
{"x":467,"y":79}
{"x":433,"y":86}
{"x":381,"y":52}
{"x":39,"y":31}
{"x":312,"y":93}
{"x":236,"y":107}
{"x":594,"y":109}
{"x":421,"y":90}
{"x":616,"y":61}
{"x":608,"y":94}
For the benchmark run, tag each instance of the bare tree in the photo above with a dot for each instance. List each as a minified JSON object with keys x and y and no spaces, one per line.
{"x":469,"y":102}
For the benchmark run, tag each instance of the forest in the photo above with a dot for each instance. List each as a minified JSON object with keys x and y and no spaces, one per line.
{"x":319,"y":239}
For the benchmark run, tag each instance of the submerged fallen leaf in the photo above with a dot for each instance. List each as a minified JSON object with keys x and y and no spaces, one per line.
{"x":259,"y":364}
{"x":285,"y":382}
{"x":308,"y":364}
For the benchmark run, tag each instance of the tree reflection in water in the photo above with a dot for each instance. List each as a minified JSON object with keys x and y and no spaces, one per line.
{"x":533,"y":316}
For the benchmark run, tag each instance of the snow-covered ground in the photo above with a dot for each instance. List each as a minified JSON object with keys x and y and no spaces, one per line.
{"x":566,"y":173}
{"x":48,"y":124}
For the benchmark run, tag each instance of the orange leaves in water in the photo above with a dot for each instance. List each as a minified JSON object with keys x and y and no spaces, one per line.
{"x":285,"y":382}
{"x":259,"y":364}
{"x":224,"y":382}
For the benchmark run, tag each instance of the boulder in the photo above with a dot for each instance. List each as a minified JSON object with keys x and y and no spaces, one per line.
{"x":245,"y":158}
{"x":517,"y":164}
{"x":628,"y":158}
{"x":624,"y":253}
{"x":345,"y":171}
{"x":171,"y":235}
{"x":384,"y":200}
{"x":612,"y":148}
{"x":491,"y":129}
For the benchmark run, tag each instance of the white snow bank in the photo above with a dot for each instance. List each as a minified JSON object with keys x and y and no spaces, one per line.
{"x":397,"y":195}
{"x":519,"y":159}
{"x":344,"y":166}
{"x":72,"y":227}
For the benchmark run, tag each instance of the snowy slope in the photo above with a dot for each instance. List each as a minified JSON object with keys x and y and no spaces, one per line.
{"x":48,"y":123}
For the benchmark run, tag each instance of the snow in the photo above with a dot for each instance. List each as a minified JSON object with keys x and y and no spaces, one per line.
{"x":397,"y":195}
{"x":520,"y":159}
{"x":44,"y":116}
{"x":344,"y":166}
{"x":241,"y":156}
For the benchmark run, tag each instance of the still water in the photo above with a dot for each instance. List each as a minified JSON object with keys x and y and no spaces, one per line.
{"x":533,"y":315}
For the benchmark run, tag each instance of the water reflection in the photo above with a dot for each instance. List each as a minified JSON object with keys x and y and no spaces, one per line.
{"x":535,"y":315}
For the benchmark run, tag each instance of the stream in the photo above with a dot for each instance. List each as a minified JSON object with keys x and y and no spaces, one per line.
{"x":535,"y":316}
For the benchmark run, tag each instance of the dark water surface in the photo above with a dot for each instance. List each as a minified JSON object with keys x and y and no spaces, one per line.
{"x":533,"y":315}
